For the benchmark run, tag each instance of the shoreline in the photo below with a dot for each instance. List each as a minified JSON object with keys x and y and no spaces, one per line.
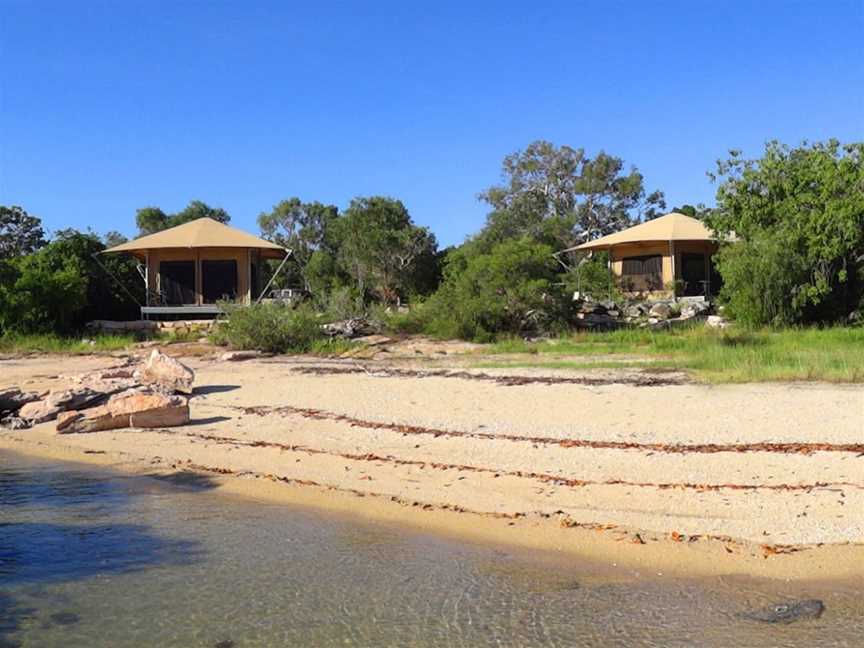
{"x":598,"y":548}
{"x":617,"y":468}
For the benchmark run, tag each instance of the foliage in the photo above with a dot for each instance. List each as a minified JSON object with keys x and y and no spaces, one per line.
{"x":380,"y":247}
{"x":734,"y":355}
{"x":20,"y":233}
{"x":560,"y":196}
{"x":803,"y":207}
{"x":277,"y":328}
{"x":591,"y":276}
{"x":508,"y":290}
{"x":53,"y":343}
{"x":62,"y":286}
{"x":305,"y":229}
{"x":153,"y":219}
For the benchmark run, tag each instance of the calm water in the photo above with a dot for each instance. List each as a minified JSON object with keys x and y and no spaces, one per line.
{"x":93,"y":558}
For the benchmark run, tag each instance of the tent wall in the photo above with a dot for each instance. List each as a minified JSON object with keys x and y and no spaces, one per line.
{"x":240,"y":255}
{"x":670,"y":271}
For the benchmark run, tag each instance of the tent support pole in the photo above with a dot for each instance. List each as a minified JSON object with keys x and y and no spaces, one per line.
{"x":95,"y":257}
{"x":275,"y":274}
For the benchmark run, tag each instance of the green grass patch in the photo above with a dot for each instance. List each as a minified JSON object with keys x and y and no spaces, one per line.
{"x":51,"y":343}
{"x":734,"y":355}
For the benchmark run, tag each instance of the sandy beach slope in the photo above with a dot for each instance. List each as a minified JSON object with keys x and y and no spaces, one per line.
{"x":764,"y":478}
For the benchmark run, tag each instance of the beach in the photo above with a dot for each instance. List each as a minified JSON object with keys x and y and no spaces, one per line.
{"x":620,"y":466}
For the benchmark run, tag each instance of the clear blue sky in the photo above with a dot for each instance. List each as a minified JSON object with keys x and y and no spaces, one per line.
{"x":107,"y":107}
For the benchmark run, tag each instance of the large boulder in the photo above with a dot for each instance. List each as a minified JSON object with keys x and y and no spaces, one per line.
{"x":717,"y":322}
{"x":58,"y":401}
{"x":132,"y":408}
{"x":38,"y":412}
{"x":165,"y":373}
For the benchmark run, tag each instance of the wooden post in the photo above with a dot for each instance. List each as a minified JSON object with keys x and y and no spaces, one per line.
{"x":674,"y":277}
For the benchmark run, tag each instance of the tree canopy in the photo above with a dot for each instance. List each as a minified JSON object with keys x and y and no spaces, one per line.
{"x":796,"y":209}
{"x":561,"y":196}
{"x":20,"y":233}
{"x":152,"y":219}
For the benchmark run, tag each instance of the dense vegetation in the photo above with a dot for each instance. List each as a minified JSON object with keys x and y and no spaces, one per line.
{"x":797,"y":215}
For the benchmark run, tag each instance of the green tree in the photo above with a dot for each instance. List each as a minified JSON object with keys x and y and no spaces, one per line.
{"x":114,"y":238}
{"x":510,"y":289}
{"x":153,"y":219}
{"x":20,"y":233}
{"x":305,"y":229}
{"x":802,"y":208}
{"x":561,"y":196}
{"x":379,"y":247}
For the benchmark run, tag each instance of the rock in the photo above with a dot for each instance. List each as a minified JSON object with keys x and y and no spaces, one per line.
{"x":695,"y":309}
{"x":716,"y":321}
{"x":133,"y":408}
{"x":14,"y":423}
{"x":787,"y":612}
{"x":237,"y":356}
{"x":12,"y":399}
{"x":72,"y":399}
{"x":38,"y":412}
{"x":635,"y":311}
{"x":374,"y":340}
{"x":609,"y":305}
{"x":660,"y":310}
{"x":165,"y":373}
{"x":349,"y":328}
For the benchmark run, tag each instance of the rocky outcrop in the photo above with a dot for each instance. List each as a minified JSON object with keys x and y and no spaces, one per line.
{"x":349,"y":328}
{"x":165,"y":373}
{"x":122,"y":396}
{"x":133,"y":408}
{"x":607,"y":315}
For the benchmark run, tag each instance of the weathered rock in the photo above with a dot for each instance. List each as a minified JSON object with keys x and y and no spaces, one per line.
{"x":12,"y":399}
{"x":72,"y":399}
{"x":237,"y":356}
{"x":695,"y":309}
{"x":787,"y":612}
{"x":14,"y":423}
{"x":39,"y":412}
{"x":165,"y":373}
{"x":133,"y":408}
{"x":349,"y":328}
{"x":660,"y":310}
{"x":716,"y":321}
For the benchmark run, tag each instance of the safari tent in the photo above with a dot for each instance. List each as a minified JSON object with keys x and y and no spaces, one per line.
{"x":669,"y":255}
{"x":189,"y":268}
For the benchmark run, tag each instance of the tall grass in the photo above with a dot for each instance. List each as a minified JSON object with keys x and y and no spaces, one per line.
{"x":736,"y":355}
{"x":52,"y":343}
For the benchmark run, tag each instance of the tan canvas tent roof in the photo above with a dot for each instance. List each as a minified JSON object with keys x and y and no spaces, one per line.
{"x":200,"y":233}
{"x":671,"y":227}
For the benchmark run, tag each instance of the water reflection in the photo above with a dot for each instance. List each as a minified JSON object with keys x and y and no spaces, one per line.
{"x":90,"y":558}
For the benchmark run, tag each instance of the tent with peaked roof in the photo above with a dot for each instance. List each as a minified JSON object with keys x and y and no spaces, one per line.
{"x":670,"y":255}
{"x":191,"y":267}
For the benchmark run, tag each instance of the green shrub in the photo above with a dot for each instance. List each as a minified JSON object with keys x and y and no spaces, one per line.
{"x":276,"y":328}
{"x":507,"y":290}
{"x":761,"y":280}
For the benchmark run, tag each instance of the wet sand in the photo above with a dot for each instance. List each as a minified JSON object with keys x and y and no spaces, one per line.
{"x":646,"y":470}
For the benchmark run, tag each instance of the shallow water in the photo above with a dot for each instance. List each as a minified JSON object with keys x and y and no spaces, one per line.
{"x":95,"y":558}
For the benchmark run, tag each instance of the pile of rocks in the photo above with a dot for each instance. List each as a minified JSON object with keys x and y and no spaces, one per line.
{"x":146,"y":395}
{"x":352,"y":327}
{"x":607,"y":315}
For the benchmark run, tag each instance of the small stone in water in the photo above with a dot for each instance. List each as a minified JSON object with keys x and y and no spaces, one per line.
{"x":65,"y":618}
{"x":787,"y":612}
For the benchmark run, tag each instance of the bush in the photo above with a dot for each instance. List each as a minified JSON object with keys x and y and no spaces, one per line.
{"x":508,"y":290}
{"x":591,"y":277}
{"x":761,"y":282}
{"x":276,"y":328}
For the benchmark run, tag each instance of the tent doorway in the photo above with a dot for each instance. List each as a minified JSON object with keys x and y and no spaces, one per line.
{"x":177,"y":282}
{"x":219,"y":281}
{"x":693,"y":274}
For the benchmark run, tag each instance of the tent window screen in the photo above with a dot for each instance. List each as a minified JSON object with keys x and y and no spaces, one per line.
{"x":177,"y":282}
{"x":651,"y":265}
{"x":219,"y":280}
